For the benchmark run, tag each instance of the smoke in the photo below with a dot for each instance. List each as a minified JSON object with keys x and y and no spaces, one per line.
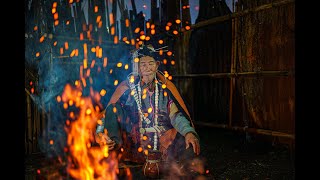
{"x":52,"y":79}
{"x":55,"y":71}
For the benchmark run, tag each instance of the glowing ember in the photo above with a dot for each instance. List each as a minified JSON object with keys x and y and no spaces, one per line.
{"x":142,"y":37}
{"x":127,"y":22}
{"x":175,"y":32}
{"x":58,"y":98}
{"x":115,"y":40}
{"x":103,"y":92}
{"x":105,"y":61}
{"x":41,"y":39}
{"x":114,"y":109}
{"x":137,"y":30}
{"x":166,"y":74}
{"x":132,"y":42}
{"x":119,"y":64}
{"x":116,"y":82}
{"x":144,"y":138}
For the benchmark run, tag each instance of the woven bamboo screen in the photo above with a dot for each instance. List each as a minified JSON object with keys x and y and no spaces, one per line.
{"x":253,"y":78}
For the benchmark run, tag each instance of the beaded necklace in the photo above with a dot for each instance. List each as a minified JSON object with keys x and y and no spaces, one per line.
{"x":137,"y":98}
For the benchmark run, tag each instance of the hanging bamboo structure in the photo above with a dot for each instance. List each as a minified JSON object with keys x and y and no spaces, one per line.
{"x":220,"y":19}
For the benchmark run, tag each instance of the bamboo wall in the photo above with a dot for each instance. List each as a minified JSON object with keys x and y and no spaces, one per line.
{"x":249,"y":85}
{"x":35,"y":118}
{"x":264,"y":41}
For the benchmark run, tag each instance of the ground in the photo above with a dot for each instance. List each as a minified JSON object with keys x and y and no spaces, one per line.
{"x":227,"y":155}
{"x":233,"y":155}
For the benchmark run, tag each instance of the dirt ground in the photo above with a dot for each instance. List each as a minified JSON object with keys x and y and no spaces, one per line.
{"x":227,"y":155}
{"x":233,"y":155}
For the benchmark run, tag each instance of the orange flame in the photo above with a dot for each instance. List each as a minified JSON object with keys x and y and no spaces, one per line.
{"x":86,"y":161}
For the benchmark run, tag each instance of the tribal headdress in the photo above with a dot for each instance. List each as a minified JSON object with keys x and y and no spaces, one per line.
{"x":145,"y":50}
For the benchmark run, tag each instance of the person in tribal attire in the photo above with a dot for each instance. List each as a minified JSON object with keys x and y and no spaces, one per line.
{"x":147,"y":113}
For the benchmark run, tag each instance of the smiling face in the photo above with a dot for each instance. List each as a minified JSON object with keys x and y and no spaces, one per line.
{"x":148,"y":68}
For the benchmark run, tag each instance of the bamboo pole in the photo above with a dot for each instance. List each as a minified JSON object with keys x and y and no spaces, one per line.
{"x":29,"y":73}
{"x":36,"y":101}
{"x":28,"y":129}
{"x":39,"y":127}
{"x":34,"y":128}
{"x":241,"y":13}
{"x":233,"y":64}
{"x":235,"y":74}
{"x":250,"y":130}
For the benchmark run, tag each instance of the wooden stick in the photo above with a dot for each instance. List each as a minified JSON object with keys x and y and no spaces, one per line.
{"x":29,"y":73}
{"x":235,"y":74}
{"x":250,"y":130}
{"x":233,"y":66}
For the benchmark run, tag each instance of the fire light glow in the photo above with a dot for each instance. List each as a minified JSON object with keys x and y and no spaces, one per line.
{"x":86,"y":161}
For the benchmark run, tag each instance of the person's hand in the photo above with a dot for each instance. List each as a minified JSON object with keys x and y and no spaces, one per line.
{"x":102,"y":139}
{"x":193,"y":140}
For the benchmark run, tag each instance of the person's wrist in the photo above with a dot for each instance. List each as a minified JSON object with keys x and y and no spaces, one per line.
{"x":194,"y":134}
{"x":190,"y":132}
